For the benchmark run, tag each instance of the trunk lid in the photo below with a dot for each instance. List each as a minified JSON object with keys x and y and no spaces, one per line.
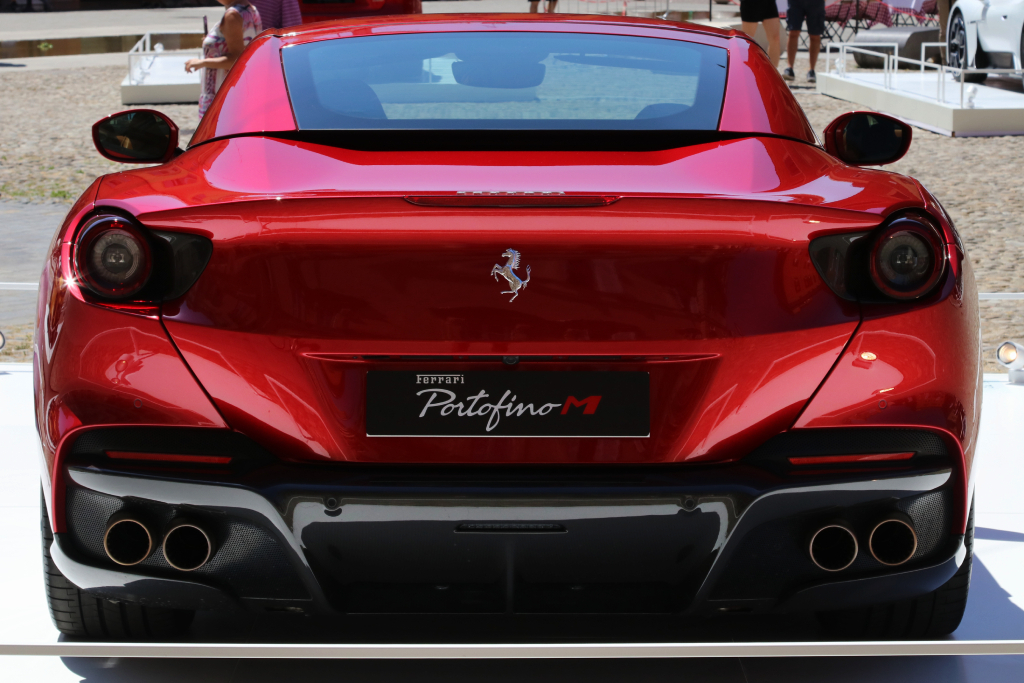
{"x":715,"y":300}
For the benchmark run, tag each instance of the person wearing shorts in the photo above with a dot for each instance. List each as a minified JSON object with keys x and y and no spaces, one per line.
{"x":813,"y":11}
{"x":754,"y":12}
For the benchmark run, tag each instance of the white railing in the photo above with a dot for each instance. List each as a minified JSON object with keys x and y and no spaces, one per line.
{"x":143,"y":55}
{"x":891,"y":63}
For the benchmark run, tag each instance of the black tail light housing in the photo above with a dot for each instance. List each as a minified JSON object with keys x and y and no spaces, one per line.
{"x":903,"y":260}
{"x":116,"y":260}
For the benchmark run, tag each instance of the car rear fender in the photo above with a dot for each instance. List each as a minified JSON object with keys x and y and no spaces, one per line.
{"x":920,"y":367}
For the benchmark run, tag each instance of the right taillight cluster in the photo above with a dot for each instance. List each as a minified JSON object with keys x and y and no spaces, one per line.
{"x":903,"y":260}
{"x":118,"y":261}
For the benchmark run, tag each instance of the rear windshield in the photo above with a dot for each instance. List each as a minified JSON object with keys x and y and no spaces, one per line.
{"x":506,"y":81}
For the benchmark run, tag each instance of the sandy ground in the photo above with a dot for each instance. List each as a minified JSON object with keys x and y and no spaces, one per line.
{"x":46,"y":155}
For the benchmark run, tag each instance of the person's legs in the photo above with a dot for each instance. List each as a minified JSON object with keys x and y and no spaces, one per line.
{"x":815,"y":28}
{"x":943,"y":7}
{"x":750,"y":28}
{"x":772,"y":30}
{"x":794,"y":23}
{"x":791,"y":47}
{"x":551,"y":6}
{"x":533,"y":6}
{"x":815,"y":48}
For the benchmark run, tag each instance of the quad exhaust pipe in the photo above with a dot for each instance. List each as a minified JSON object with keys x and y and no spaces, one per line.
{"x":893,"y":540}
{"x":833,"y":547}
{"x":187,"y":546}
{"x":127,"y":541}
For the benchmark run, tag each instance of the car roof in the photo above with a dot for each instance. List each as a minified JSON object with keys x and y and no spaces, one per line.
{"x":441,"y":23}
{"x":254,"y":98}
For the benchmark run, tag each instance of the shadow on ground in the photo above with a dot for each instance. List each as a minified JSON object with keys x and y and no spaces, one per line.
{"x":990,"y":615}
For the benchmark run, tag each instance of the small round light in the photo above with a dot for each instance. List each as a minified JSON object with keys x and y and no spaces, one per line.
{"x":1007,"y":353}
{"x":112,"y":258}
{"x":908,"y":258}
{"x":867,"y":355}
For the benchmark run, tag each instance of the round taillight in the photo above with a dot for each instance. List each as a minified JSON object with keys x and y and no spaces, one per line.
{"x":908,"y":258}
{"x":112,"y":258}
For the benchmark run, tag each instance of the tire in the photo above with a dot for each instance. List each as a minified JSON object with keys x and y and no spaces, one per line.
{"x":80,"y":615}
{"x":934,"y":615}
{"x":956,"y":49}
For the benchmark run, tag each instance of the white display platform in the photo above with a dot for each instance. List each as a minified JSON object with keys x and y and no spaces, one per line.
{"x":912,"y":97}
{"x":740,"y":650}
{"x":156,"y":76}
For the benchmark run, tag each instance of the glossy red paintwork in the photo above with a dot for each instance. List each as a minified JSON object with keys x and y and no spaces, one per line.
{"x":762,"y":169}
{"x":254,"y":97}
{"x":699,"y":274}
{"x":300,"y":322}
{"x":756,"y":98}
{"x":327,"y":11}
{"x":921,"y":374}
{"x":95,"y":366}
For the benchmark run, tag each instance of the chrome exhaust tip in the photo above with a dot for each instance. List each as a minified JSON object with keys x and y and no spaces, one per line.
{"x":187,"y":546}
{"x":833,"y":547}
{"x":893,"y":540}
{"x":127,"y":541}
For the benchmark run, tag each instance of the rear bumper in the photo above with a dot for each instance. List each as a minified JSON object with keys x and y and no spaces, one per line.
{"x":665,"y":540}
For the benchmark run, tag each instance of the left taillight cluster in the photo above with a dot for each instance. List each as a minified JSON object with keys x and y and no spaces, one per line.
{"x":903,"y":260}
{"x":112,"y":258}
{"x":118,"y":260}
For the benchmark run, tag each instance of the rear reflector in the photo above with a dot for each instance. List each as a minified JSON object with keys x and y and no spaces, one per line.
{"x":511,"y":201}
{"x":170,"y":457}
{"x":831,"y":459}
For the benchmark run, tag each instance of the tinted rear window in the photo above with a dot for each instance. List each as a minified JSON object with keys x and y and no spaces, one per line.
{"x":506,"y":81}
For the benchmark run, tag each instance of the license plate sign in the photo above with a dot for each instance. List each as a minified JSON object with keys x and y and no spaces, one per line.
{"x":508,"y":404}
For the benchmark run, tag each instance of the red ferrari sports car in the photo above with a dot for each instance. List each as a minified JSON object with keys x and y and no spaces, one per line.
{"x":507,"y":314}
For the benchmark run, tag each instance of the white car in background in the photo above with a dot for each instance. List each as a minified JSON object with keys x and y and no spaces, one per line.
{"x":986,"y":34}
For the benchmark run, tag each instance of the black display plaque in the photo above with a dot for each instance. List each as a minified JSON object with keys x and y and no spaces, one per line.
{"x":508,"y":404}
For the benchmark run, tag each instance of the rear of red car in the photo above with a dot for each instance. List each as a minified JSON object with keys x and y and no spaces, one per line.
{"x":439,"y":329}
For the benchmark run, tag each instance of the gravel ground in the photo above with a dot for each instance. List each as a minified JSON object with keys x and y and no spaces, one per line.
{"x":46,"y":155}
{"x":46,"y":150}
{"x":18,"y":348}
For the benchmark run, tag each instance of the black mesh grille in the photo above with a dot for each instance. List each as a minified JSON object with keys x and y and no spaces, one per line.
{"x":932,"y":515}
{"x":248,"y":559}
{"x":772,"y":559}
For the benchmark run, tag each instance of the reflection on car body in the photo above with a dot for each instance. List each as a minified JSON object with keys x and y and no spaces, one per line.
{"x":743,"y":378}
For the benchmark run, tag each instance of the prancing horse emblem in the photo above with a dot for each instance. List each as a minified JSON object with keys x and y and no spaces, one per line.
{"x":508,"y":272}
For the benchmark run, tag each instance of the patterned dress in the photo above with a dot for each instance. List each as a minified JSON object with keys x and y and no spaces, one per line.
{"x":215,"y":45}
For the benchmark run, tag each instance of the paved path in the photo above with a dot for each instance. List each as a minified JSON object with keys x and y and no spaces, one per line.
{"x":50,"y":25}
{"x":25,"y":234}
{"x":86,"y":24}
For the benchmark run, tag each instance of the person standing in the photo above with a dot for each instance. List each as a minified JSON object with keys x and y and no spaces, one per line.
{"x":754,"y":12}
{"x":943,"y":7}
{"x":277,"y":14}
{"x":814,"y":12}
{"x":534,"y":6}
{"x":222,"y":47}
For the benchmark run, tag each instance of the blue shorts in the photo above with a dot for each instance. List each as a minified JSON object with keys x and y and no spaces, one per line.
{"x":811,"y":10}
